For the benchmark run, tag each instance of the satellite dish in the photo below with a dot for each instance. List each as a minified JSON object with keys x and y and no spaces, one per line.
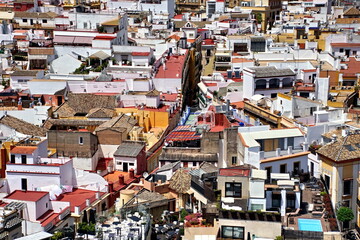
{"x":145,"y":174}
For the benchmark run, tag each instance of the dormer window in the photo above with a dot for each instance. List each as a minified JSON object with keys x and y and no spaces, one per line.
{"x":24,"y":20}
{"x":81,"y":140}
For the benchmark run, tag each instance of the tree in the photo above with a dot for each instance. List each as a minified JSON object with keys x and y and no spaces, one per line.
{"x":345,"y":215}
{"x":57,"y":235}
{"x":86,"y":228}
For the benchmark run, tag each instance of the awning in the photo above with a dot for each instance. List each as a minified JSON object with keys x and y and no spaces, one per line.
{"x":64,"y":39}
{"x":73,"y":40}
{"x":83,"y":40}
{"x":100,"y":55}
{"x":281,"y":176}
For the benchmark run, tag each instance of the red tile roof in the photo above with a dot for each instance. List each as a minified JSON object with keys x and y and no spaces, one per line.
{"x":114,"y":179}
{"x":169,"y":97}
{"x":353,"y":67}
{"x":179,"y":136}
{"x":23,"y":150}
{"x":173,"y":67}
{"x":345,"y":44}
{"x":31,"y":196}
{"x":78,"y":197}
{"x":140,"y":53}
{"x":229,"y":172}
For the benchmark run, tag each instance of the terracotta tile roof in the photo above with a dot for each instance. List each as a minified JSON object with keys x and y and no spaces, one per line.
{"x":23,"y":150}
{"x":345,"y":44}
{"x":353,"y":11}
{"x":101,"y":113}
{"x":180,"y":181}
{"x":235,"y":171}
{"x":41,"y":51}
{"x":31,"y":196}
{"x":344,"y":148}
{"x":22,"y":126}
{"x":347,"y":20}
{"x":35,"y":15}
{"x":84,"y":102}
{"x":29,"y":73}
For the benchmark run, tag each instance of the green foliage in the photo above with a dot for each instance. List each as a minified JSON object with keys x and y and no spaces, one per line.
{"x":102,"y":219}
{"x":86,"y":228}
{"x":82,"y":69}
{"x":323,"y":193}
{"x":57,"y":235}
{"x":345,"y":214}
{"x":278,"y":238}
{"x":101,"y":29}
{"x":183,"y":214}
{"x":258,"y":18}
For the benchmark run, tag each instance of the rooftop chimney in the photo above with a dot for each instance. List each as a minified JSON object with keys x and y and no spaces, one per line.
{"x":131,"y":173}
{"x":121,"y":179}
{"x":334,"y":138}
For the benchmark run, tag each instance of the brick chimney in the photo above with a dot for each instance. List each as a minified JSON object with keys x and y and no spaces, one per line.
{"x":121,"y":179}
{"x":131,"y":173}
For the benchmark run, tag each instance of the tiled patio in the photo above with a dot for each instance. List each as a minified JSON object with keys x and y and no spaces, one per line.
{"x":311,"y":196}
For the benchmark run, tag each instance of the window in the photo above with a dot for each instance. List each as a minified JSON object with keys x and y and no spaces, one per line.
{"x":273,"y":95}
{"x":24,"y":184}
{"x":347,"y":187}
{"x":256,"y":207}
{"x":46,"y":205}
{"x":296,"y":167}
{"x":268,"y":173}
{"x":290,"y":200}
{"x":194,"y":164}
{"x":118,"y":163}
{"x":291,"y":141}
{"x":232,"y":232}
{"x":12,"y":160}
{"x":346,"y":203}
{"x":233,"y":190}
{"x":81,"y":140}
{"x":24,"y":20}
{"x":327,"y":182}
{"x":341,"y":50}
{"x":283,"y":168}
{"x":23,"y":159}
{"x":44,"y":21}
{"x":234,"y":160}
{"x":276,"y":200}
{"x":131,"y":164}
{"x":354,"y":53}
